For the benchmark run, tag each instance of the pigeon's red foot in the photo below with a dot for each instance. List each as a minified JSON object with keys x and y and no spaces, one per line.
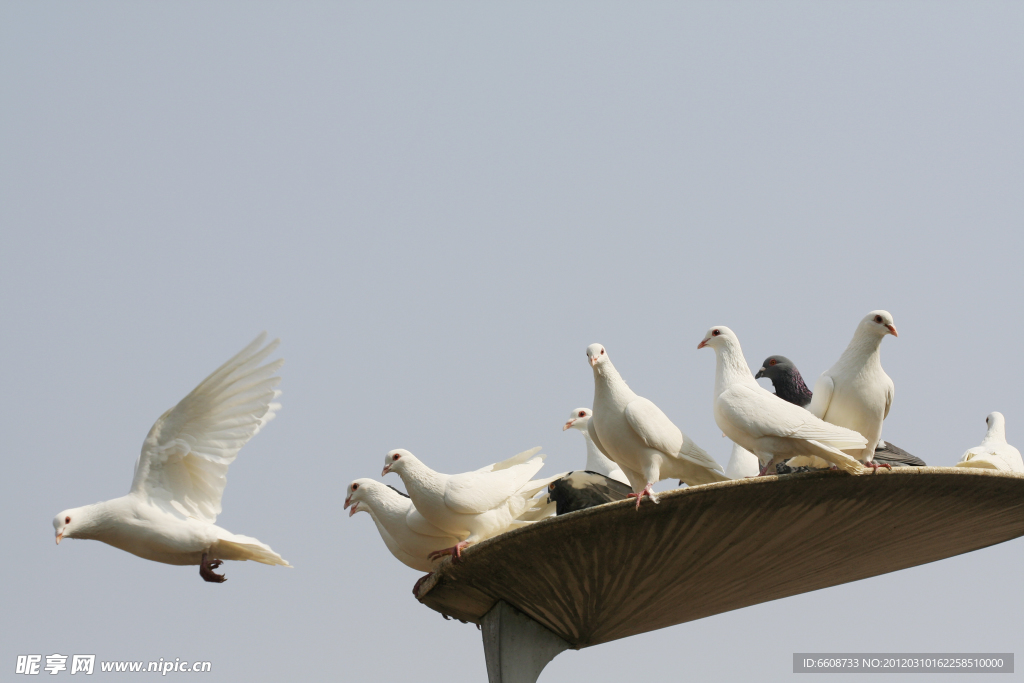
{"x":648,"y":491}
{"x":455,"y":551}
{"x":206,"y":568}
{"x":764,"y":470}
{"x":874,"y":467}
{"x":416,"y":586}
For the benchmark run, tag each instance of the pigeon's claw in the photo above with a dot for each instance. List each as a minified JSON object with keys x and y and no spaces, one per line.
{"x":874,"y":467}
{"x":206,"y":568}
{"x":455,"y":551}
{"x":648,"y":491}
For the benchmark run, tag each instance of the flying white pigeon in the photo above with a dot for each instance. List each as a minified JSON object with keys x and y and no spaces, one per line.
{"x":596,"y":460}
{"x":742,"y":463}
{"x":763,"y":423}
{"x":639,"y":438}
{"x":855,"y":392}
{"x":994,"y":453}
{"x":405,"y":532}
{"x":473,"y":506}
{"x":169,"y":514}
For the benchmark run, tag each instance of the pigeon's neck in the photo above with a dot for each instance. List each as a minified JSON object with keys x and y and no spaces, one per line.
{"x":609,"y":386}
{"x":864,"y":350}
{"x":995,"y":434}
{"x":389,"y":507}
{"x":422,"y":481}
{"x":731,"y":368}
{"x":791,"y":387}
{"x":97,"y":521}
{"x":596,"y":460}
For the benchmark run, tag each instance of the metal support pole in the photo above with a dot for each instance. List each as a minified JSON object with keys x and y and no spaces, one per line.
{"x":516,"y":647}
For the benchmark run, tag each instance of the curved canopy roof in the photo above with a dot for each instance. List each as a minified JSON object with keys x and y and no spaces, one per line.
{"x":610,"y":572}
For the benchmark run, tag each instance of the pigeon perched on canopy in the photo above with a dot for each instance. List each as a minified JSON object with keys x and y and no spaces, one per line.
{"x":634,"y":433}
{"x":757,"y":420}
{"x":855,"y":392}
{"x":993,"y":452}
{"x":597,"y":461}
{"x":472,"y":506}
{"x":789,"y":386}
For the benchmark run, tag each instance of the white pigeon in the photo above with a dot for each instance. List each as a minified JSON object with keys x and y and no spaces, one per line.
{"x":994,"y":453}
{"x":761,"y":422}
{"x":639,"y":438}
{"x":391,"y":511}
{"x":596,"y":460}
{"x":855,"y":392}
{"x":169,"y":514}
{"x":742,"y":463}
{"x":473,"y":506}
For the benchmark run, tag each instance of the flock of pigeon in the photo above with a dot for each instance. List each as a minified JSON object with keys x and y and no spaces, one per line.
{"x":169,"y":513}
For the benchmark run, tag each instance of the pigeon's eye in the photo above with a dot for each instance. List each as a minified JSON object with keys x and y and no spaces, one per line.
{"x":355,"y":486}
{"x":395,"y":457}
{"x":772,"y":362}
{"x":582,"y":414}
{"x":715,"y":333}
{"x":67,"y":520}
{"x":551,"y":487}
{"x":878,"y":318}
{"x":602,"y":352}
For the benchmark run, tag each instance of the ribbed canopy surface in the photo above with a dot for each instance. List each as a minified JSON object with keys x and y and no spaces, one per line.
{"x":610,"y":572}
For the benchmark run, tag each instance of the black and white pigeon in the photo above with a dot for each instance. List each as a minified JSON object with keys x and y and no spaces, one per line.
{"x":584,"y":489}
{"x":790,"y":386}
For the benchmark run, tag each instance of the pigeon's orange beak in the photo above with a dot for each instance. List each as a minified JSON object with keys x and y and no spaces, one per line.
{"x":387,"y":468}
{"x":593,"y":361}
{"x":354,"y":510}
{"x":703,"y":343}
{"x":892,"y":328}
{"x":568,"y":424}
{"x":60,"y":536}
{"x":348,"y":501}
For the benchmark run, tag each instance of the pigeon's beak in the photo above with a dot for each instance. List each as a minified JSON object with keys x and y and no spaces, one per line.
{"x":703,"y":343}
{"x":760,"y":374}
{"x":60,"y":536}
{"x":348,"y":501}
{"x":387,"y":468}
{"x":354,"y":510}
{"x":593,"y":361}
{"x":892,"y":329}
{"x":568,"y":424}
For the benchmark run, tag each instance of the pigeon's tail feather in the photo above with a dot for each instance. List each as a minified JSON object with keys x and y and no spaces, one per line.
{"x":807,"y":461}
{"x":532,"y":488}
{"x":537,"y":511}
{"x":846,"y":463}
{"x":517,"y":459}
{"x":241,"y":548}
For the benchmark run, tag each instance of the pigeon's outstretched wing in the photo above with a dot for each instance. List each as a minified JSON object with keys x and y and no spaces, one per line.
{"x":184,"y":461}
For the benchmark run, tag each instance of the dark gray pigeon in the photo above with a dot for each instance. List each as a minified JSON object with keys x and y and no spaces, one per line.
{"x":583,"y":489}
{"x":789,"y":386}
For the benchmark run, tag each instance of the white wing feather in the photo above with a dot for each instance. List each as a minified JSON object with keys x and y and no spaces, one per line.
{"x":477,"y":492}
{"x":821,"y":397}
{"x":185,"y":458}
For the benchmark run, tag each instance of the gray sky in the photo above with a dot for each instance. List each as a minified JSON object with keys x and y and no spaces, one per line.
{"x":437,"y":207}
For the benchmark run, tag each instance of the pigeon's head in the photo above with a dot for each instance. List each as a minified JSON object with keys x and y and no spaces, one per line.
{"x":880,"y":323}
{"x":397,"y":460}
{"x":596,"y":355}
{"x":357,"y":495}
{"x":996,"y":423}
{"x":775,"y":367}
{"x":717,"y":337}
{"x":579,"y":419}
{"x":73,"y":523}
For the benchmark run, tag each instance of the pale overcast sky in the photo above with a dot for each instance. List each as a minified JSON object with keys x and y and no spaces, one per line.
{"x":437,"y":207}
